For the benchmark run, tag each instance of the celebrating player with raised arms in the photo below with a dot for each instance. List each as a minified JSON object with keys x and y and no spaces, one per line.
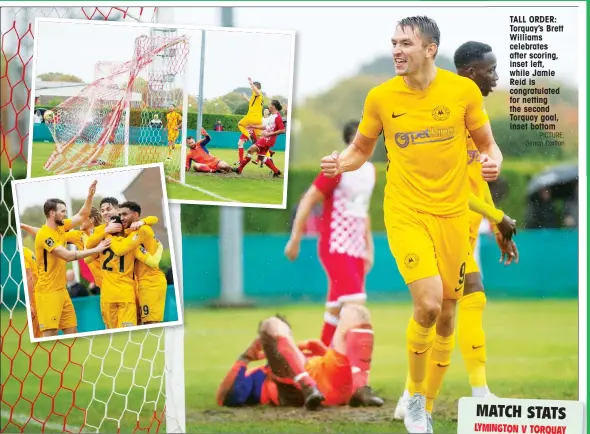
{"x":307,"y":374}
{"x":423,"y":113}
{"x":54,"y":306}
{"x":268,"y":139}
{"x":253,"y":117}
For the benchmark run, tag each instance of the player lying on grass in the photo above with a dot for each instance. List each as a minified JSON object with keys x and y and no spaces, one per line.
{"x":307,"y":374}
{"x":54,"y":305}
{"x":253,"y":117}
{"x":345,"y":242}
{"x":267,"y":140}
{"x":477,"y":62}
{"x":200,"y":160}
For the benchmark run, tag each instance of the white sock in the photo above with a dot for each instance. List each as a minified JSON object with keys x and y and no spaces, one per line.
{"x":479,"y":392}
{"x":406,"y":394}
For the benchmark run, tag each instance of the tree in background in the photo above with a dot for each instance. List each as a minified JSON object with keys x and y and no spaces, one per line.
{"x":59,"y":76}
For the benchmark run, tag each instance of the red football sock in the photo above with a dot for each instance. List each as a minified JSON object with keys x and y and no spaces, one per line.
{"x":272,"y":166}
{"x":241,"y":154}
{"x":244,"y":162}
{"x":359,"y":350}
{"x":289,"y":351}
{"x":330,"y":324}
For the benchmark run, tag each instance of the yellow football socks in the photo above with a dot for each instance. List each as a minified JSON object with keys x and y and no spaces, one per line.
{"x":471,"y":337}
{"x":419,"y":343}
{"x":438,"y":364}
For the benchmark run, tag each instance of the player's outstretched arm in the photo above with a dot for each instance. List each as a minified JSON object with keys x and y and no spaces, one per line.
{"x":32,"y":230}
{"x":84,"y":212}
{"x":149,"y":220}
{"x":153,"y":261}
{"x":488,"y":211}
{"x":69,"y":256}
{"x":312,"y":197}
{"x":254,"y":88}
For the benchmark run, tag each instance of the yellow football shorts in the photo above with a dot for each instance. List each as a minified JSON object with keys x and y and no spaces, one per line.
{"x":249,"y":120}
{"x":55,"y":310}
{"x":118,"y":315}
{"x":152,"y":301}
{"x":172,"y":136}
{"x":425,"y":245}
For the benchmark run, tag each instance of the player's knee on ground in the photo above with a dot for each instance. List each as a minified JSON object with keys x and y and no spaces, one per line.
{"x":445,"y":325}
{"x":473,"y":284}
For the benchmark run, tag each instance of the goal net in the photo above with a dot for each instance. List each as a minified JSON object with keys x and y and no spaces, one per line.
{"x":126,"y":382}
{"x":123,"y":117}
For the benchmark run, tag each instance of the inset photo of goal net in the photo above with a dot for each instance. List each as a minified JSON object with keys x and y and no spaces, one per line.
{"x":97,"y":250}
{"x":211,"y":104}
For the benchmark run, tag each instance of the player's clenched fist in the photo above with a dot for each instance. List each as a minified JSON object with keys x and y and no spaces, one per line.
{"x":490,"y":169}
{"x":330,"y":165}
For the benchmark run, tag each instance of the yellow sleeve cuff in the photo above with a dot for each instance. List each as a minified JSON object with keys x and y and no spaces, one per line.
{"x":479,"y":206}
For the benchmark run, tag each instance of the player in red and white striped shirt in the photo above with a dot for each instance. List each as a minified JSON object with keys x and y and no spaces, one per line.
{"x":345,"y":240}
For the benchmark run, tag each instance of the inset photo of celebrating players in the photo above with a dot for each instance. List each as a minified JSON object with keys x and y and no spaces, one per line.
{"x":97,"y":252}
{"x":211,"y":104}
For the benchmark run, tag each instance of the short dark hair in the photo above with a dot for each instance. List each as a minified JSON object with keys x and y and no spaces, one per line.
{"x":190,"y":138}
{"x":257,"y":84}
{"x":133,"y":206}
{"x":469,"y":52}
{"x":284,"y":319}
{"x":277,"y":104}
{"x":349,"y":131}
{"x":116,"y":219}
{"x":426,"y":26}
{"x":51,"y":205}
{"x":110,"y":200}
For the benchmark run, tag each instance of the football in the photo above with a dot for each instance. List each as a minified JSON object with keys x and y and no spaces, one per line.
{"x":48,"y":116}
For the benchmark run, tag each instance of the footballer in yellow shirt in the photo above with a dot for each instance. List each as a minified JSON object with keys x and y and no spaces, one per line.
{"x":424,"y":114}
{"x":173,"y":124}
{"x":117,"y":295}
{"x":253,"y":116}
{"x":32,"y":276}
{"x":151,"y":280}
{"x":54,"y":306}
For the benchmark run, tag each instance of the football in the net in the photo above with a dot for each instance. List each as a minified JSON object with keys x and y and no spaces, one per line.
{"x":48,"y":116}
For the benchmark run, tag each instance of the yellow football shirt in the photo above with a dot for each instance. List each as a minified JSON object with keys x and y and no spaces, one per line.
{"x":255,"y":105}
{"x":51,"y":268}
{"x":145,"y":274}
{"x":173,"y":120}
{"x":31,"y":263}
{"x":77,"y":238}
{"x":118,"y":285}
{"x":425,"y":140}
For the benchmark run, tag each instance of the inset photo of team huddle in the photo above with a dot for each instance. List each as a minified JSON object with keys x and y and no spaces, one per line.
{"x":156,"y":93}
{"x":97,"y":252}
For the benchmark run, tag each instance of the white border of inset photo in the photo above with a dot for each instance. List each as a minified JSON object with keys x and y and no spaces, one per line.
{"x":167,"y":225}
{"x":221,"y":200}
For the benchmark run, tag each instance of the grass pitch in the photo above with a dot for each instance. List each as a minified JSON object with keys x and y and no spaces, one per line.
{"x":532,"y":352}
{"x":255,"y":186}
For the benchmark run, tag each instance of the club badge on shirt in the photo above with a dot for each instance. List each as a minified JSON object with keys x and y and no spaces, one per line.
{"x":49,"y":242}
